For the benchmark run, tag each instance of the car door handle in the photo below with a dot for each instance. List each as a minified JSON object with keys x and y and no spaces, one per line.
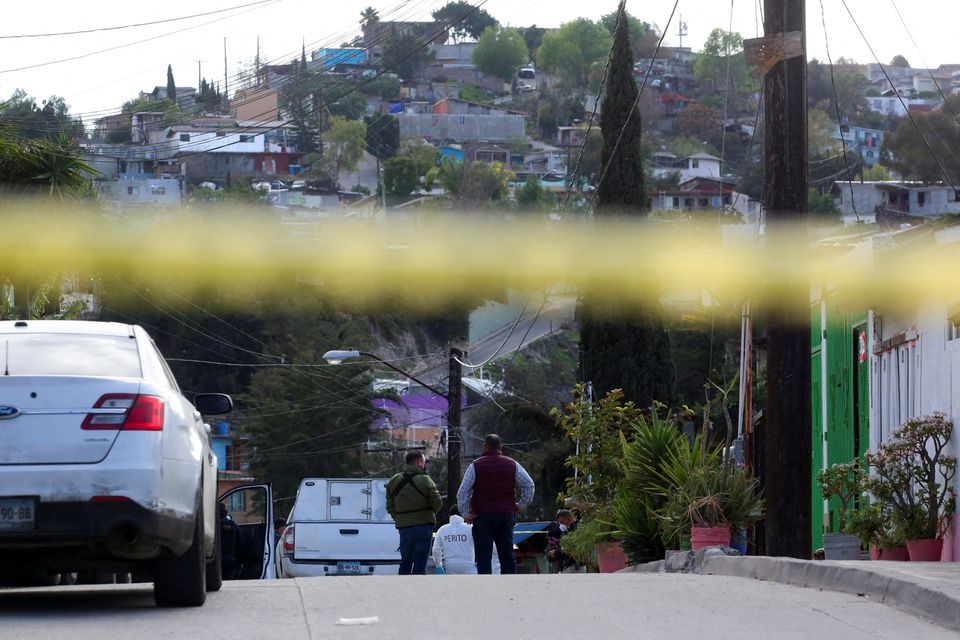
{"x":349,"y":532}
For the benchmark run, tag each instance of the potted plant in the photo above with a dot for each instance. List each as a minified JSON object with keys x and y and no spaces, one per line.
{"x":843,"y":481}
{"x":873,"y":526}
{"x":911,"y":477}
{"x":599,"y":430}
{"x":636,"y":507}
{"x":705,"y":498}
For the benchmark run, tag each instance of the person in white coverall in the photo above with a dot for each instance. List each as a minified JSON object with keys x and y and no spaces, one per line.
{"x":453,"y":545}
{"x":451,"y":551}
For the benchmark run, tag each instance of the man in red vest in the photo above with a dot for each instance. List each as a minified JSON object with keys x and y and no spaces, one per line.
{"x":488,"y":500}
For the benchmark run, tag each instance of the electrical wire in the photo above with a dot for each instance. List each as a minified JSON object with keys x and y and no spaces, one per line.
{"x":133,"y":25}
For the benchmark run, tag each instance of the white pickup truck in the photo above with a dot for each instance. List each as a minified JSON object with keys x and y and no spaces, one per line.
{"x":339,"y":526}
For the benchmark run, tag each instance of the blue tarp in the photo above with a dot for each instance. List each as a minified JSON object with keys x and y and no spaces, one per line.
{"x":523,"y":530}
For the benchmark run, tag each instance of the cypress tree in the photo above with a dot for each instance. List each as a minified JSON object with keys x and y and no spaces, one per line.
{"x":171,"y":85}
{"x":623,"y":344}
{"x":621,"y":191}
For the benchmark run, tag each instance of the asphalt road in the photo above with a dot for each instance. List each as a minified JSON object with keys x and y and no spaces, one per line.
{"x":534,"y":324}
{"x":591,"y":607}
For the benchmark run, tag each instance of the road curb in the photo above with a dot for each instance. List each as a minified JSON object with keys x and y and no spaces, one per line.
{"x":925,"y":601}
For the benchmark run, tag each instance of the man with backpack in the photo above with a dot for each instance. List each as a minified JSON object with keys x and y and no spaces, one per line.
{"x":414,"y":501}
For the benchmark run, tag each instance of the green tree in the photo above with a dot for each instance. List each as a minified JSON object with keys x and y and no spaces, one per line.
{"x":209,"y":99}
{"x":423,"y":154}
{"x":899,"y":61}
{"x":406,"y":55}
{"x":575,"y":50}
{"x":533,"y":197}
{"x":346,"y":100}
{"x":52,"y":167}
{"x":700,"y":122}
{"x":621,"y":190}
{"x":623,"y":344}
{"x":30,"y":120}
{"x":532,"y":37}
{"x":840,"y":87}
{"x":721,"y":71}
{"x":345,"y":144}
{"x":400,"y":176}
{"x":303,"y":98}
{"x":500,"y":52}
{"x":382,"y":135}
{"x":474,"y":184}
{"x":644,"y":36}
{"x":171,"y":85}
{"x":821,"y":127}
{"x":464,"y":19}
{"x":906,"y":152}
{"x":876,"y":173}
{"x":369,"y":16}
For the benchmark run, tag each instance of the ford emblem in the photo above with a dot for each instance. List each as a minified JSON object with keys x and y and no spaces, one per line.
{"x":7,"y":412}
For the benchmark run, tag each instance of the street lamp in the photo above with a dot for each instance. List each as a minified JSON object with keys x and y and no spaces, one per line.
{"x":453,"y":395}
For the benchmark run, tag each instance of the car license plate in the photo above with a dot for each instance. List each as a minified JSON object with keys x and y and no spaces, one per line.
{"x":17,"y":514}
{"x":348,"y":568}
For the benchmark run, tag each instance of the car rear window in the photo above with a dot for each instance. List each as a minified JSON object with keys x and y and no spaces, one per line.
{"x":51,"y":354}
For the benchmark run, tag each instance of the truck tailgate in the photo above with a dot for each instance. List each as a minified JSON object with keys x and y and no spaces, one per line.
{"x":336,"y":541}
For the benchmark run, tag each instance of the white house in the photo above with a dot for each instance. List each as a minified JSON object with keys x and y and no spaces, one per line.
{"x":863,"y":201}
{"x":698,"y":165}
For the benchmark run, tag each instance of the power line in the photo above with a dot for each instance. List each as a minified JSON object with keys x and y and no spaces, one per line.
{"x":134,"y":25}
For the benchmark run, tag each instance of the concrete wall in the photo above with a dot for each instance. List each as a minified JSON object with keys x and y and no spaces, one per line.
{"x":462,"y":128}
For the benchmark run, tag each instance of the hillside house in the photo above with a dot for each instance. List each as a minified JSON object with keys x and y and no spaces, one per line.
{"x":706,"y":193}
{"x":218,"y":148}
{"x":698,"y":165}
{"x":893,"y":201}
{"x":458,"y":121}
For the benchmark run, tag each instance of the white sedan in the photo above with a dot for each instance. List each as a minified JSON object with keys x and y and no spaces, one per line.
{"x":104,"y":464}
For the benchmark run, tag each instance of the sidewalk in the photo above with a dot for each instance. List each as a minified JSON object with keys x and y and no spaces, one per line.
{"x":929,"y":590}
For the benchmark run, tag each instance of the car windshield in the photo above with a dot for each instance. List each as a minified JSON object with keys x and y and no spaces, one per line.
{"x":69,"y":355}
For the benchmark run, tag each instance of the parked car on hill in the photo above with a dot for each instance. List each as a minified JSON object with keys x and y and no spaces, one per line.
{"x":105,"y":465}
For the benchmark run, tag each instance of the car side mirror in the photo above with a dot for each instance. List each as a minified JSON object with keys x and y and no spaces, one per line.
{"x":213,"y":404}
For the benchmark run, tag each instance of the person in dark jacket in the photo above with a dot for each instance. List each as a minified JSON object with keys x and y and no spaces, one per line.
{"x":230,"y":540}
{"x":414,"y":501}
{"x":488,"y":500}
{"x":565,"y":523}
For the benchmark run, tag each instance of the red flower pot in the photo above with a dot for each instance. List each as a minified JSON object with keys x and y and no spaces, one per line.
{"x":610,"y":557}
{"x":890,"y":553}
{"x":926,"y":550}
{"x":702,"y":537}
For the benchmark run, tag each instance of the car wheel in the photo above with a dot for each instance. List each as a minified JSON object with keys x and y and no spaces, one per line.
{"x":68,"y":579}
{"x":181,"y":581}
{"x":215,"y":564}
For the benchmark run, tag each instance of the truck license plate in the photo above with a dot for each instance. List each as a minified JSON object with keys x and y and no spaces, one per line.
{"x":348,"y":568}
{"x":17,"y":514}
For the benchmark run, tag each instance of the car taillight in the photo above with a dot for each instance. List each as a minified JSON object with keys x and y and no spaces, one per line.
{"x":133,"y":413}
{"x":288,"y":539}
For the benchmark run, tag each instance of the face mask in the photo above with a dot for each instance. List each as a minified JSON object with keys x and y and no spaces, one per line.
{"x":563,"y":528}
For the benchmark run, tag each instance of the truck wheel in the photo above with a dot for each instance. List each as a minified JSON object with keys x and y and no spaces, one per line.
{"x":181,"y":581}
{"x":215,"y":564}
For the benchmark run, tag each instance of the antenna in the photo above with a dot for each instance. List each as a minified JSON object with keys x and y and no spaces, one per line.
{"x":681,"y":30}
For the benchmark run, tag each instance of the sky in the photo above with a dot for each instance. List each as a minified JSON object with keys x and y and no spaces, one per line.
{"x":97,"y":72}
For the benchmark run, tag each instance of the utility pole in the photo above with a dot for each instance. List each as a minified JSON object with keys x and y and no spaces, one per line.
{"x":787,"y":432}
{"x":454,"y":439}
{"x":225,"y":81}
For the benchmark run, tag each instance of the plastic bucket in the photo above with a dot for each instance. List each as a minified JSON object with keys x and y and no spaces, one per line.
{"x":841,"y":546}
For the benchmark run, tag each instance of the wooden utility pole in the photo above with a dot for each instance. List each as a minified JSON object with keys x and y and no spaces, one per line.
{"x":788,"y":445}
{"x":454,"y":435}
